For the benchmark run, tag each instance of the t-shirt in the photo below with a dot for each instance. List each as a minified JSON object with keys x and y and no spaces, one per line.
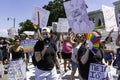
{"x":66,"y":47}
{"x":74,"y":52}
{"x":110,"y":46}
{"x":84,"y":68}
{"x":49,"y":59}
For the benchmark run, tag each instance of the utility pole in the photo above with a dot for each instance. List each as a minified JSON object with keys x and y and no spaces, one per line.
{"x":13,"y":21}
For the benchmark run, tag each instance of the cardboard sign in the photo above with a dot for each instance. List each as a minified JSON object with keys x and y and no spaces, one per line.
{"x":54,"y":26}
{"x":1,"y":70}
{"x":63,"y":25}
{"x":118,"y":18}
{"x":17,"y":70}
{"x":43,"y":15}
{"x":102,"y":72}
{"x":77,"y":16}
{"x":109,"y":17}
{"x":12,"y":32}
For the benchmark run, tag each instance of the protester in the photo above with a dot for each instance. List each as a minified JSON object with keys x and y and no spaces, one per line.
{"x":116,"y":62}
{"x":45,"y":56}
{"x":78,"y":39}
{"x":17,"y":52}
{"x":109,"y":49}
{"x":23,"y":37}
{"x":85,"y":57}
{"x":1,"y":51}
{"x":66,"y":51}
{"x":55,"y":38}
{"x":5,"y":51}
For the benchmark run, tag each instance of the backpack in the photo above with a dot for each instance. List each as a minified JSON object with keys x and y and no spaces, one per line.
{"x":116,"y":62}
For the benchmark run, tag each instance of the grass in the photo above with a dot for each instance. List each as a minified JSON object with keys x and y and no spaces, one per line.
{"x":99,"y":27}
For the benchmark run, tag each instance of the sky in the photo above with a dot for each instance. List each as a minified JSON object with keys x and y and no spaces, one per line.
{"x":22,"y":10}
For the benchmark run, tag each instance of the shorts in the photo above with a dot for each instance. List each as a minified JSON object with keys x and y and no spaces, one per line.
{"x":66,"y":55}
{"x":46,"y":75}
{"x":74,"y":66}
{"x":108,"y":56}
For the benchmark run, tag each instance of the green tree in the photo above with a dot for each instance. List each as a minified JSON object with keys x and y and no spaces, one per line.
{"x":26,"y":26}
{"x":56,"y":9}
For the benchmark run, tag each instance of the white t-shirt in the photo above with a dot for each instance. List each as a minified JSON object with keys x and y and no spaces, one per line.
{"x":74,"y":52}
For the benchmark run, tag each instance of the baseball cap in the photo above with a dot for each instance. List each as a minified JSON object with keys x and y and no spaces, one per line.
{"x":45,"y":29}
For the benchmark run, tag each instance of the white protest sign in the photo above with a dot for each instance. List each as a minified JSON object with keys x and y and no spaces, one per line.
{"x":77,"y":16}
{"x":102,"y":72}
{"x":17,"y":70}
{"x":12,"y":32}
{"x":1,"y":70}
{"x":43,"y":15}
{"x":54,"y":26}
{"x":109,"y":17}
{"x":118,"y":18}
{"x":62,"y":25}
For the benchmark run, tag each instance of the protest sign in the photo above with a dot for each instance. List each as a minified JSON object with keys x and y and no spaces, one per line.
{"x":1,"y":70}
{"x":43,"y":15}
{"x":77,"y":16}
{"x":17,"y":70}
{"x":54,"y":26}
{"x":118,"y":18}
{"x":102,"y":72}
{"x":28,"y":44}
{"x":12,"y":32}
{"x":109,"y":18}
{"x":62,"y":25}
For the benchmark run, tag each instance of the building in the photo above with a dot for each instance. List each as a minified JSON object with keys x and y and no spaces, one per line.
{"x":97,"y":16}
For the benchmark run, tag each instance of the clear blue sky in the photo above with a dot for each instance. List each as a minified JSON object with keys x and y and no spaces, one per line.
{"x":22,"y":9}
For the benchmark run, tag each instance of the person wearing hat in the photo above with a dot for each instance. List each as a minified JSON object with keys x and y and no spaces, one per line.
{"x":45,"y":56}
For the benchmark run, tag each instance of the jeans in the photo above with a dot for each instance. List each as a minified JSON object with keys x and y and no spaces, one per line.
{"x":108,"y":56}
{"x":74,"y":66}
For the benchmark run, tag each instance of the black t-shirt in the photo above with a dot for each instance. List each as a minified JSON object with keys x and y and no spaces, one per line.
{"x":84,"y":68}
{"x":49,"y":59}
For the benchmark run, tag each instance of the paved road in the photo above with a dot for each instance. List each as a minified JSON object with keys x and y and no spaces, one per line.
{"x":31,"y":74}
{"x":62,"y":76}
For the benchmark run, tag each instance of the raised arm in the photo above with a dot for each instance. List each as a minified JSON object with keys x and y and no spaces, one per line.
{"x":110,"y":32}
{"x":118,"y":39}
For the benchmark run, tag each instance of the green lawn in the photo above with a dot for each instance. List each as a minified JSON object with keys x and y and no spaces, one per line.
{"x":99,"y":27}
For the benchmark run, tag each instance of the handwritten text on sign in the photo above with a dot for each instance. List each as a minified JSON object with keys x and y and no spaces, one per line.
{"x":101,"y":72}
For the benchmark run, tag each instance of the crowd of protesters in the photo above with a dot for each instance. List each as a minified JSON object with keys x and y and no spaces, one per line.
{"x":52,"y":48}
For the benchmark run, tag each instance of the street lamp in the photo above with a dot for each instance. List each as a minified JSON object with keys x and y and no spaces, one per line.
{"x":13,"y":21}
